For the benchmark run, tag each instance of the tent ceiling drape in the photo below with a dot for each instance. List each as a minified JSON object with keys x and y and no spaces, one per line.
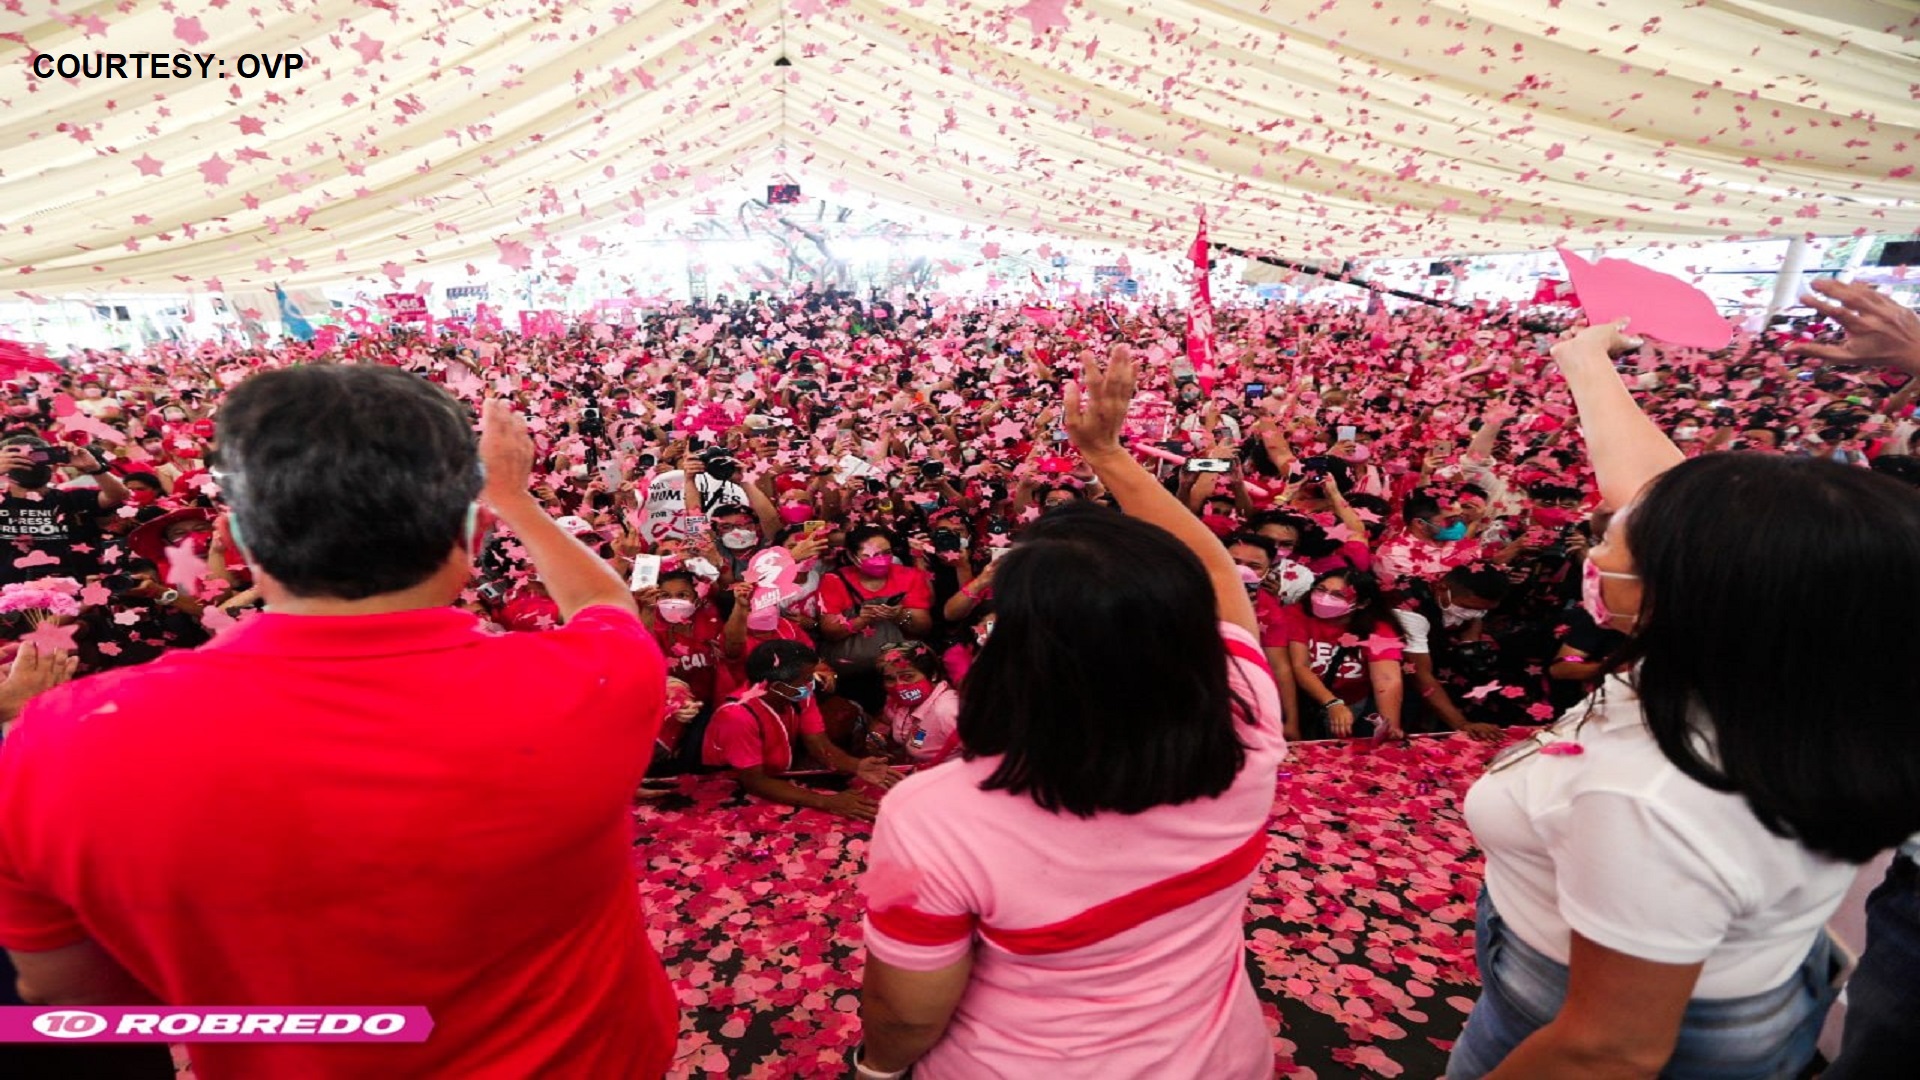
{"x":426,"y":134}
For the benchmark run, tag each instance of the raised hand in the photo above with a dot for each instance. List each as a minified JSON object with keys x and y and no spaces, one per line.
{"x":1880,"y":331}
{"x":1096,"y":413}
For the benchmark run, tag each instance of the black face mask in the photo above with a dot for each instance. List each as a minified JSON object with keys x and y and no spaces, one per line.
{"x":32,"y":476}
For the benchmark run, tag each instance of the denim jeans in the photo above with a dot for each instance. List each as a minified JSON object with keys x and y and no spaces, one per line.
{"x":1763,"y":1037}
{"x":1882,"y":1033}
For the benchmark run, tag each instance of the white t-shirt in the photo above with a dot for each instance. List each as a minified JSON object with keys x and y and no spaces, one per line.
{"x":1619,"y":844}
{"x":1414,"y":630}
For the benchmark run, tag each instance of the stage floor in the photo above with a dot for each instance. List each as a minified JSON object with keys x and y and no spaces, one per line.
{"x":1360,"y":928}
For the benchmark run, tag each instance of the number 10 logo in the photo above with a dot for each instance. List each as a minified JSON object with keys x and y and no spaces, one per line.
{"x":70,"y":1025}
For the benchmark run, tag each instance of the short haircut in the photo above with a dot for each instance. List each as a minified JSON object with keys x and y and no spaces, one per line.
{"x":1419,"y":506}
{"x":1810,"y":723}
{"x":1086,"y":713}
{"x":780,"y":660}
{"x":1487,"y":583}
{"x":347,"y":481}
{"x":1255,"y":540}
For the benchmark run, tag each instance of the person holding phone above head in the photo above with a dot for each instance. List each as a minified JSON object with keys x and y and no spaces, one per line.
{"x":1066,"y":899}
{"x":200,"y":856}
{"x":1661,"y":863}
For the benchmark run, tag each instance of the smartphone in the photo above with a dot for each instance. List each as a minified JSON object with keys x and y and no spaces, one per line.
{"x":646,"y":572}
{"x":997,"y":552}
{"x":813,"y":525}
{"x":1202,"y":464}
{"x":1256,"y":391}
{"x":1059,"y":434}
{"x":490,"y":592}
{"x":1345,"y":433}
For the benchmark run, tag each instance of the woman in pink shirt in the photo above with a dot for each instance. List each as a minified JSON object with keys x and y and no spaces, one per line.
{"x":922,"y":715}
{"x":1066,"y":899}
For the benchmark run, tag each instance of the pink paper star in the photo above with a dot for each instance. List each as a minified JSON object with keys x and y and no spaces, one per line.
{"x":1043,"y":15}
{"x":147,"y":165}
{"x":48,"y":637}
{"x":215,"y":170}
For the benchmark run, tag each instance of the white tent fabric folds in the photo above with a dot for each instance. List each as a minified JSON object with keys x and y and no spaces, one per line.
{"x":425,"y":134}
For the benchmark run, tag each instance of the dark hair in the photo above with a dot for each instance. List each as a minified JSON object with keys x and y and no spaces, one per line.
{"x":347,"y":481}
{"x":1104,"y":684}
{"x":1902,"y":467}
{"x":1419,"y":506}
{"x":1487,"y":583}
{"x":780,"y":660}
{"x":1381,"y":509}
{"x":920,"y":656}
{"x":1312,"y":541}
{"x":1734,"y":552}
{"x":1372,"y":607}
{"x":1255,"y":540}
{"x":142,"y":478}
{"x":862,"y":533}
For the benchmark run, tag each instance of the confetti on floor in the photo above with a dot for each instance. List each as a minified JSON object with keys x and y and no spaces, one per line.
{"x":1359,"y":932}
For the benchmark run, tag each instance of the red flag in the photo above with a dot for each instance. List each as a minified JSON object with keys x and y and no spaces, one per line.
{"x":1200,"y":350}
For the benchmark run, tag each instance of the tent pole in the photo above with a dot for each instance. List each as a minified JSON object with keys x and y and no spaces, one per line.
{"x":1341,"y":277}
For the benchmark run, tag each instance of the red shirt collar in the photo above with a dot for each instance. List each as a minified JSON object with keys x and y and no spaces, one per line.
{"x":394,"y":634}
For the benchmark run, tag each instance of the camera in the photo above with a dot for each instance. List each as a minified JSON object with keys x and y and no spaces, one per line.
{"x":720,"y":463}
{"x":51,"y":455}
{"x":947,"y":540}
{"x":593,"y":423}
{"x":932,"y":470}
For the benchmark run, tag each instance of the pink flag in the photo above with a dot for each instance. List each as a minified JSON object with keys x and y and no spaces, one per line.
{"x":1200,"y":312}
{"x":1660,"y":305}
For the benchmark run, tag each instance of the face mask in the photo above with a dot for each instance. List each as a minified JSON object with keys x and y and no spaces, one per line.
{"x":175,"y":415}
{"x":1591,"y":597}
{"x":876,"y":565}
{"x":1554,"y":517}
{"x":794,"y":513}
{"x":1329,"y":607}
{"x":1452,"y":533}
{"x":911,"y":694}
{"x":982,"y":632}
{"x":927,"y":507}
{"x":141,"y":496}
{"x":20,"y":410}
{"x":763,"y":620}
{"x":1686,"y":434}
{"x":675,"y":610}
{"x":801,"y":695}
{"x":91,"y":393}
{"x":739,"y":539}
{"x":1454,"y":615}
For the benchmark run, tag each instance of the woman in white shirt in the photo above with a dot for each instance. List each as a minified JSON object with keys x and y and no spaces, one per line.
{"x":1662,"y":862}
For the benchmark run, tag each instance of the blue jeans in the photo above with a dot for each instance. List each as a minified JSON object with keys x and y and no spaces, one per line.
{"x":1882,"y":1033}
{"x":1763,"y":1037}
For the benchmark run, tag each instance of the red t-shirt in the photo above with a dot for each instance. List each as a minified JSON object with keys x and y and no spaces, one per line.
{"x":395,"y":809}
{"x":915,"y":585}
{"x":1324,"y":640}
{"x":760,"y":732}
{"x":692,"y":649}
{"x":1271,"y":616}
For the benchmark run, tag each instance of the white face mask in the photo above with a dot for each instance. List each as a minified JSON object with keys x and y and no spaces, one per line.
{"x":739,"y":539}
{"x":1454,"y":615}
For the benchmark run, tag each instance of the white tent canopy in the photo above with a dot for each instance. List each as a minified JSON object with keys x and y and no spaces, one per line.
{"x":423,"y":135}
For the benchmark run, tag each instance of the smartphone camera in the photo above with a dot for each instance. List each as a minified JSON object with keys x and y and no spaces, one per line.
{"x":947,"y":540}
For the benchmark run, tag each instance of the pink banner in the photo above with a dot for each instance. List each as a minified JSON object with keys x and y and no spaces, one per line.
{"x":233,"y":1023}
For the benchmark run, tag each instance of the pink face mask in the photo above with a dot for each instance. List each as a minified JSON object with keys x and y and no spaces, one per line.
{"x":1329,"y":607}
{"x":876,"y":565}
{"x":911,"y":694}
{"x":675,"y":610}
{"x":1591,"y":597}
{"x":794,"y":513}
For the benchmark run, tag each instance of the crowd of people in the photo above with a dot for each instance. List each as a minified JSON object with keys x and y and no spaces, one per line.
{"x":871,"y":538}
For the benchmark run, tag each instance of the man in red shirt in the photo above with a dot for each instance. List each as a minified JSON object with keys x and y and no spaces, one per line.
{"x":359,"y":797}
